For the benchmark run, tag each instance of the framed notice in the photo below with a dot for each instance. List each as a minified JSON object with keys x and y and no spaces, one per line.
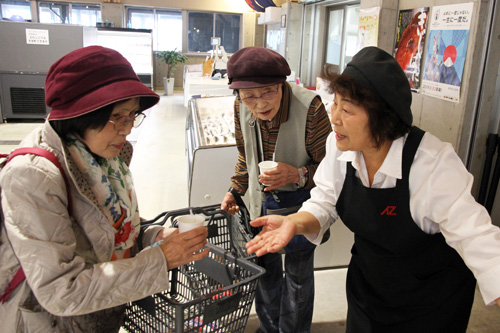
{"x":37,"y":36}
{"x":446,"y":51}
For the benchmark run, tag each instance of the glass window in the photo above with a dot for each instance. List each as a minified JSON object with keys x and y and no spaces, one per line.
{"x":342,"y":36}
{"x":87,"y":15}
{"x":141,"y":18}
{"x":203,"y":26}
{"x":334,"y":44}
{"x":66,"y":13}
{"x":16,"y":10}
{"x":169,"y":29}
{"x":169,"y":32}
{"x":200,"y":32}
{"x":227,"y":27}
{"x":166,"y":26}
{"x":51,"y":12}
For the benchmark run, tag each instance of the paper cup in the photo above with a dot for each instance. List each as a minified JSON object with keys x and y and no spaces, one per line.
{"x":267,"y":165}
{"x":188,"y":222}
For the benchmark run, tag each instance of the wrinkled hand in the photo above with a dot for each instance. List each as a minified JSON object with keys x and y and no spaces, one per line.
{"x":179,"y":248}
{"x":282,"y":175}
{"x":229,"y":204}
{"x":164,"y":233}
{"x":277,"y":231}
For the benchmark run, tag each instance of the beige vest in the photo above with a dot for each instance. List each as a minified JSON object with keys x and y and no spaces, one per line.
{"x":290,"y":145}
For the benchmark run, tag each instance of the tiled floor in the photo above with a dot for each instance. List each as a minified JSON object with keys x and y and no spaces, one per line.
{"x":160,"y":174}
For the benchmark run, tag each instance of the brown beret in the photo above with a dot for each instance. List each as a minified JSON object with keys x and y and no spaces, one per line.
{"x":255,"y":67}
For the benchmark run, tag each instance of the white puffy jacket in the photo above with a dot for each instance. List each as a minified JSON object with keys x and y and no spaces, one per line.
{"x":71,"y":284}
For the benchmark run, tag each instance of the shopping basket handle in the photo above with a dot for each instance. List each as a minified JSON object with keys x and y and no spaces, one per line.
{"x":162,"y":218}
{"x":244,"y":215}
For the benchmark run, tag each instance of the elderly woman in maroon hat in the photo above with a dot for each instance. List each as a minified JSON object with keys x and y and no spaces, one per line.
{"x":421,"y":240}
{"x":288,"y":124}
{"x":78,"y":245}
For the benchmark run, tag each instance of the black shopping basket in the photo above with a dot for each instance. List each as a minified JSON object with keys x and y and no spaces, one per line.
{"x":214,"y":294}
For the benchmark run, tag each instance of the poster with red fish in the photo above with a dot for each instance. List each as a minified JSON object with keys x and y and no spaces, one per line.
{"x":410,"y":39}
{"x":446,"y":51}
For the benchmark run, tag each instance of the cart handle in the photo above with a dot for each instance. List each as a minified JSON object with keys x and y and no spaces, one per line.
{"x":210,"y":211}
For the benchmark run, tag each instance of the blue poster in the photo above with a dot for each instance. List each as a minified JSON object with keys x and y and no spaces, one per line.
{"x":446,"y":51}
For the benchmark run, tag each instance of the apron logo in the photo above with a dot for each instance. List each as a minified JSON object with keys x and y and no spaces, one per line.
{"x":389,"y":210}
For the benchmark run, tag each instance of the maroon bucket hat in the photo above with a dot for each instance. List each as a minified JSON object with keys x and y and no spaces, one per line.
{"x":89,"y":78}
{"x":255,"y":67}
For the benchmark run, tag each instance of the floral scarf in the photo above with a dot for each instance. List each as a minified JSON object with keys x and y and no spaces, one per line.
{"x":111,"y":183}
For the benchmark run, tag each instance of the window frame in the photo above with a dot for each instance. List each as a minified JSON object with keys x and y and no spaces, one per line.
{"x":185,"y":17}
{"x":68,"y":19}
{"x":16,"y":3}
{"x":214,"y":28}
{"x":129,"y":9}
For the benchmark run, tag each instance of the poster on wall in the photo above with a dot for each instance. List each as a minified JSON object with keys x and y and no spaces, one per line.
{"x":368,"y":27}
{"x":410,"y":39}
{"x":446,"y":51}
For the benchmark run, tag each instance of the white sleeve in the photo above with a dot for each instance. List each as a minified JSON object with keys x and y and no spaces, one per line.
{"x":440,"y":189}
{"x":329,"y":179}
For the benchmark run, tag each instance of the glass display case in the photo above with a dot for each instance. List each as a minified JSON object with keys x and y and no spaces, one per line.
{"x":210,"y":148}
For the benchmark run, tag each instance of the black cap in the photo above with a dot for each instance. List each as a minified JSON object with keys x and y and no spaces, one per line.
{"x":379,"y":72}
{"x":255,"y":67}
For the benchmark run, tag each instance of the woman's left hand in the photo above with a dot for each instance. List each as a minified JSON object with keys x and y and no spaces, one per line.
{"x":277,"y":231}
{"x":498,"y":301}
{"x":282,"y":175}
{"x":164,"y":233}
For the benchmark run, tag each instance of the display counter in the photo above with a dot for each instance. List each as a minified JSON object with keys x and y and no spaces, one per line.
{"x":205,"y":86}
{"x":210,"y":149}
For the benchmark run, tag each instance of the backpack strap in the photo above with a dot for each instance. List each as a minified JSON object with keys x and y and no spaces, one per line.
{"x":16,"y":280}
{"x":19,"y":276}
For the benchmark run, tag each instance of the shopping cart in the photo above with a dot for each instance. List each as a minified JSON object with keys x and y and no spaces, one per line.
{"x":214,"y":294}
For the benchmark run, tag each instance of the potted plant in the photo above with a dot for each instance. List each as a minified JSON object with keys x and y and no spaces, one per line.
{"x":172,"y":58}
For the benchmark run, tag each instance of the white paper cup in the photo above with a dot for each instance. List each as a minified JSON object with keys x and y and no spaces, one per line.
{"x":188,"y":222}
{"x":267,"y":165}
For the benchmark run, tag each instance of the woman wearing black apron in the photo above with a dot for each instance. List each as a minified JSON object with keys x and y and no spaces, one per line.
{"x":406,"y":196}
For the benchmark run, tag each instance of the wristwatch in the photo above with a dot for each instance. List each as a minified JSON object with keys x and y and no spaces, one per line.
{"x":303,"y":175}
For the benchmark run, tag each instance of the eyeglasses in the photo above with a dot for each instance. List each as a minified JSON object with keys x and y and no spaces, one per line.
{"x":124,"y":121}
{"x":267,"y":96}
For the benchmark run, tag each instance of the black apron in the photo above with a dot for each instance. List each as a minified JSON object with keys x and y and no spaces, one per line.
{"x":400,"y":279}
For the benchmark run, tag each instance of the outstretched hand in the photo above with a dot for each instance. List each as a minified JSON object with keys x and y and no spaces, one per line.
{"x":182,"y":248}
{"x":277,"y":231}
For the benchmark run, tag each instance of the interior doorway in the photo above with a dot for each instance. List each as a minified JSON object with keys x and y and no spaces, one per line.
{"x":341,"y":36}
